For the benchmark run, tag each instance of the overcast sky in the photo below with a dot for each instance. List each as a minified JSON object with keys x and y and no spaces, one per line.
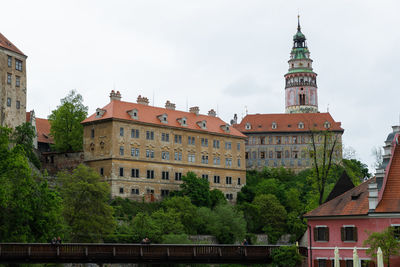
{"x":221,"y":54}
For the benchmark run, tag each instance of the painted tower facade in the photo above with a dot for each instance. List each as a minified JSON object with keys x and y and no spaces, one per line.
{"x":301,"y":82}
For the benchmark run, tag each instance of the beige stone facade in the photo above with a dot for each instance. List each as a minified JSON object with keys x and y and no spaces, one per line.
{"x":12,"y":85}
{"x":143,"y":160}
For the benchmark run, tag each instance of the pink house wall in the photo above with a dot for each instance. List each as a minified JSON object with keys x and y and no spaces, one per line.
{"x":325,"y":249}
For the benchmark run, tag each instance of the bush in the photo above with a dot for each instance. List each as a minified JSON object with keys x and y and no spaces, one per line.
{"x":286,"y":256}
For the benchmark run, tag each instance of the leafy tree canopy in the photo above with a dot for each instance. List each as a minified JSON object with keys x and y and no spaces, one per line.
{"x":197,"y":189}
{"x":386,"y":240}
{"x":65,"y":122}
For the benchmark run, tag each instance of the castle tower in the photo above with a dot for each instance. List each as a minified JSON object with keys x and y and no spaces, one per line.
{"x":301,"y":82}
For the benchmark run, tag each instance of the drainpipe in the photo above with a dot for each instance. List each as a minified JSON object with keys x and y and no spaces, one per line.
{"x":309,"y":229}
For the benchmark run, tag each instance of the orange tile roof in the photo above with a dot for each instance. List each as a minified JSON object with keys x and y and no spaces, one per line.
{"x":390,"y":198}
{"x":148,"y":114}
{"x":287,"y":122}
{"x":5,"y":43}
{"x":352,"y":202}
{"x":43,"y":131}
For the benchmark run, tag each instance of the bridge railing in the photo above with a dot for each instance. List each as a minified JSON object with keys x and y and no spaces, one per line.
{"x":155,"y":253}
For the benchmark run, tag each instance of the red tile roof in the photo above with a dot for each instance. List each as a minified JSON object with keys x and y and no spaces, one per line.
{"x":5,"y":43}
{"x":352,"y":202}
{"x":287,"y":122}
{"x":43,"y":131}
{"x":148,"y":114}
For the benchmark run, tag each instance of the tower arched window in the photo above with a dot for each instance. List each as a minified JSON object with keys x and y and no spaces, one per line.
{"x":302,"y":97}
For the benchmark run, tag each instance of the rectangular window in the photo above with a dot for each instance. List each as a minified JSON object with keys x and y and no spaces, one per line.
{"x":278,"y":154}
{"x":18,"y":64}
{"x":321,"y":233}
{"x":134,"y":133}
{"x":262,"y":155}
{"x":121,"y":150}
{"x":121,"y":171}
{"x":217,"y":161}
{"x":134,"y":152}
{"x":165,"y":137}
{"x":239,"y":182}
{"x":322,"y":263}
{"x":204,"y":142}
{"x":8,"y":78}
{"x":121,"y":131}
{"x":204,"y":159}
{"x":238,"y":162}
{"x":216,"y":179}
{"x":135,"y":173}
{"x":121,"y":190}
{"x":349,"y":263}
{"x":349,"y":233}
{"x":204,"y":176}
{"x":191,"y":157}
{"x":18,"y":104}
{"x":191,"y":140}
{"x":238,"y":146}
{"x":228,"y":145}
{"x":215,"y":143}
{"x":165,"y":175}
{"x":9,"y":61}
{"x":149,"y":153}
{"x":101,"y":171}
{"x":178,"y":139}
{"x":135,"y":191}
{"x":149,"y":135}
{"x":17,"y":81}
{"x":278,"y":140}
{"x":396,"y":231}
{"x":246,"y":155}
{"x":228,"y":162}
{"x":271,"y":154}
{"x":178,"y":156}
{"x":164,"y":192}
{"x":165,"y":155}
{"x":229,"y":196}
{"x":178,"y":176}
{"x":228,"y":180}
{"x":92,"y":133}
{"x":150,"y":174}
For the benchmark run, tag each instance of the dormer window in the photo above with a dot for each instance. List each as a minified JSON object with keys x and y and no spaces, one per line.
{"x":100,"y":112}
{"x":301,"y":125}
{"x":163,"y":118}
{"x":274,"y":125}
{"x":327,"y":125}
{"x":247,"y":126}
{"x":225,"y":128}
{"x":202,"y":124}
{"x":134,"y":114}
{"x":182,"y":121}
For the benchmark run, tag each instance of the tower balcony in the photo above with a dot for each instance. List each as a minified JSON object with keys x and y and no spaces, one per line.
{"x":305,"y":83}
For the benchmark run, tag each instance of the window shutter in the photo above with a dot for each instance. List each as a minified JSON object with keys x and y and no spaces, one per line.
{"x":327,"y":234}
{"x":329,"y":263}
{"x":342,"y":262}
{"x":355,"y":234}
{"x":315,"y":233}
{"x":342,"y":233}
{"x":315,"y":263}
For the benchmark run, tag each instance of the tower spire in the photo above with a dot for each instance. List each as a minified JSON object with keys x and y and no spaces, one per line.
{"x":298,"y":22}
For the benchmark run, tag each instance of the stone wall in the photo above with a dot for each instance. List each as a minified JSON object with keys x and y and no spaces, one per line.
{"x":54,"y":162}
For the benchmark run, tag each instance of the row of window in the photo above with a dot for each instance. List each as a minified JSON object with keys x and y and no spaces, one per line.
{"x":277,"y":140}
{"x":275,"y":154}
{"x":18,"y":63}
{"x":165,"y":175}
{"x":165,"y":137}
{"x":279,"y":162}
{"x":165,"y":155}
{"x":348,"y":233}
{"x":17,"y":103}
{"x":345,"y":263}
{"x":17,"y":80}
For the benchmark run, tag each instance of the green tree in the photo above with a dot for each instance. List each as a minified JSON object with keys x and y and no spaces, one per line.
{"x":30,"y":211}
{"x":197,"y":189}
{"x":86,"y":208}
{"x":386,"y":240}
{"x":271,"y":216}
{"x":24,"y":135}
{"x":65,"y":122}
{"x":217,"y":197}
{"x":286,"y":256}
{"x":185,"y":210}
{"x":144,"y":226}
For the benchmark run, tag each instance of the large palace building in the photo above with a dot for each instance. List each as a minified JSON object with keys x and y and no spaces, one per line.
{"x":143,"y":151}
{"x":12,"y":84}
{"x":284,"y":139}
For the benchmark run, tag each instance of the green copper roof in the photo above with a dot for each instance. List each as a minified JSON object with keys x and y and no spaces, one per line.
{"x":299,"y":36}
{"x":297,"y":70}
{"x":300,"y":52}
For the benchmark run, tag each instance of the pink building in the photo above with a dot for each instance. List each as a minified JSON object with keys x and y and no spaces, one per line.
{"x":344,"y":221}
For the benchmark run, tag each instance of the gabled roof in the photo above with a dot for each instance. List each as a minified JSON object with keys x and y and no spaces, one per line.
{"x":6,"y":44}
{"x":287,"y":122}
{"x":352,"y":202}
{"x":342,"y":185}
{"x":43,"y":131}
{"x":148,"y":114}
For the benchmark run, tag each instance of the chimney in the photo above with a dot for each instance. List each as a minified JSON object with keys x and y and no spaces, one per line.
{"x":142,"y":100}
{"x":212,"y":113}
{"x":372,"y":196}
{"x":115,"y":95}
{"x":396,"y":129}
{"x":169,"y":105}
{"x":194,"y":110}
